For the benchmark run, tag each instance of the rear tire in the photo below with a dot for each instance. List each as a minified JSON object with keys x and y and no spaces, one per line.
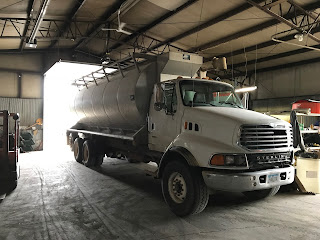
{"x":260,"y":194}
{"x":88,"y":154}
{"x":183,"y":189}
{"x":77,"y":149}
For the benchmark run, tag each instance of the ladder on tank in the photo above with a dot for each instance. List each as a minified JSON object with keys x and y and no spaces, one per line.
{"x":117,"y":66}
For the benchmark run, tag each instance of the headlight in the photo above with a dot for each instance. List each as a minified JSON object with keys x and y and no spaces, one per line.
{"x":229,"y":160}
{"x":224,"y":160}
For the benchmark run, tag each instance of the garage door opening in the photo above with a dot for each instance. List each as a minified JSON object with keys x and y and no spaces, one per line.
{"x":58,"y":95}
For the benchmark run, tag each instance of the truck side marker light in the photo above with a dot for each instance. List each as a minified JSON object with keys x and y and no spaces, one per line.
{"x":185,"y":125}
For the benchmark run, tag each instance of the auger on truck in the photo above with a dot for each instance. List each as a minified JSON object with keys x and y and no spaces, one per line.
{"x":9,"y":152}
{"x":196,"y":131}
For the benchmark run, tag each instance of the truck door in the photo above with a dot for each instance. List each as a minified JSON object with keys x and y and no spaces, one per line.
{"x":164,"y":119}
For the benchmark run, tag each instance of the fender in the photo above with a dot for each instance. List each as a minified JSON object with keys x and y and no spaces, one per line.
{"x":189,"y":158}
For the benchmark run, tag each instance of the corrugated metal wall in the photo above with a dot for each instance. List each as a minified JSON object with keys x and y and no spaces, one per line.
{"x":30,"y":109}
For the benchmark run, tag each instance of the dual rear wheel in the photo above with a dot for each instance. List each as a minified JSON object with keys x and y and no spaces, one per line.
{"x":85,"y":153}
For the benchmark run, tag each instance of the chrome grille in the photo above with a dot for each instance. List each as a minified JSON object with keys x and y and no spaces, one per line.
{"x":258,"y":137}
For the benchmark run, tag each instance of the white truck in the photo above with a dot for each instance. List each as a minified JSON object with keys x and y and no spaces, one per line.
{"x":195,"y":132}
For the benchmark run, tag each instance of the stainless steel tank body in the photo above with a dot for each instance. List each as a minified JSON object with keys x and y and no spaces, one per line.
{"x":120,"y":103}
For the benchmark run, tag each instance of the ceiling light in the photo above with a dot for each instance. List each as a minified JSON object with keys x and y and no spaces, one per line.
{"x":30,"y":44}
{"x":246,"y":89}
{"x":299,"y":36}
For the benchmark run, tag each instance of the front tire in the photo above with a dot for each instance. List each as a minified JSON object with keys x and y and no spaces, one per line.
{"x":260,"y":194}
{"x":183,"y":189}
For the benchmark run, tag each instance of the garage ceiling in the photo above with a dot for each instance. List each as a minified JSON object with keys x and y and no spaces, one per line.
{"x":240,"y":30}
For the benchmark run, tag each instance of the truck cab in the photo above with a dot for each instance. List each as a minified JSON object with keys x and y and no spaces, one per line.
{"x":202,"y":127}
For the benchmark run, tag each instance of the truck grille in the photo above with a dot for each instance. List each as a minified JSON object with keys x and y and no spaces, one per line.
{"x":259,"y":137}
{"x":264,"y":161}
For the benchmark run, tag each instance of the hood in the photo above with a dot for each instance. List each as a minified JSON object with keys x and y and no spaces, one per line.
{"x":238,"y":115}
{"x":222,"y":124}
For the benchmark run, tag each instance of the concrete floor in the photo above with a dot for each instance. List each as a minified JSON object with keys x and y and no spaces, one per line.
{"x":58,"y":198}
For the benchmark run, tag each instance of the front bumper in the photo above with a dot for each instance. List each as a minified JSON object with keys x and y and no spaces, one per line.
{"x":248,"y":181}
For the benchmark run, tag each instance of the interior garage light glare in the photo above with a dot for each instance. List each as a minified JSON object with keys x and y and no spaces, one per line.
{"x":246,"y":89}
{"x":299,"y":36}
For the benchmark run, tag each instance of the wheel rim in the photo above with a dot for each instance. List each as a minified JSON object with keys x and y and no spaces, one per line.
{"x":85,"y":154}
{"x":177,"y":187}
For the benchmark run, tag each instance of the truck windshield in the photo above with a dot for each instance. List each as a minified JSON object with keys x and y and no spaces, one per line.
{"x":200,"y":93}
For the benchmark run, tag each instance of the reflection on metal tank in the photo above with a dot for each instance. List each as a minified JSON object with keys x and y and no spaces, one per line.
{"x":121,"y":102}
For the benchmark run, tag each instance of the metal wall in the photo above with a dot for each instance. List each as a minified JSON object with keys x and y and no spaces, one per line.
{"x":288,"y":82}
{"x":277,"y":90}
{"x":21,"y":75}
{"x":30,"y":109}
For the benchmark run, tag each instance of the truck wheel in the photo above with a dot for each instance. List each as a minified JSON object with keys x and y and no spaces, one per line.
{"x":77,"y":149}
{"x":260,"y":194}
{"x":184,"y":189}
{"x":88,"y":154}
{"x":99,"y":160}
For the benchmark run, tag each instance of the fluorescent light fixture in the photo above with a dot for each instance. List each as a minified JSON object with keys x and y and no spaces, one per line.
{"x":31,"y":44}
{"x":246,"y":89}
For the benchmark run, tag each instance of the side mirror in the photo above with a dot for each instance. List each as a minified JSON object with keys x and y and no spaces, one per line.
{"x":158,"y":97}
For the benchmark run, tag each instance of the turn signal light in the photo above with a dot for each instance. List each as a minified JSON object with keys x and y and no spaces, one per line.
{"x":217,"y":160}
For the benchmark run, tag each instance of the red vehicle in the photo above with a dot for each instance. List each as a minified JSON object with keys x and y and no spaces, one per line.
{"x":9,"y":151}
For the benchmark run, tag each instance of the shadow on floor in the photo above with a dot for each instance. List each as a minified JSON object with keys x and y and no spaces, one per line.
{"x":124,"y":172}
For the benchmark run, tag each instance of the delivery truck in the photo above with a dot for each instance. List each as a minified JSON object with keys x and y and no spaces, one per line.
{"x":191,"y":133}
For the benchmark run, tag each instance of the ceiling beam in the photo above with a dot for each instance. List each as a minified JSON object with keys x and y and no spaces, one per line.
{"x":289,"y":65}
{"x":269,"y":5}
{"x":262,"y":45}
{"x":283,"y":20}
{"x":29,"y":51}
{"x":70,"y":17}
{"x":207,"y":24}
{"x":19,"y":71}
{"x":251,"y":30}
{"x":26,"y":27}
{"x":277,"y":67}
{"x":153,"y":24}
{"x":277,"y":56}
{"x":97,"y":27}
